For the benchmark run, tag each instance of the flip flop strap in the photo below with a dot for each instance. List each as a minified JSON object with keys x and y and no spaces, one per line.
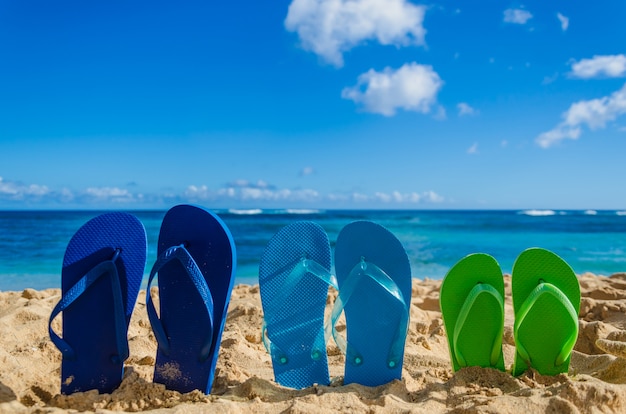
{"x":479,"y":289}
{"x":182,"y":255}
{"x":549,"y":289}
{"x":382,"y":279}
{"x":107,"y":267}
{"x":303,"y":268}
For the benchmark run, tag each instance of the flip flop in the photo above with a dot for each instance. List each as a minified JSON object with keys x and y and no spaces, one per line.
{"x":472,"y":305}
{"x":102,"y":271}
{"x":294,"y":275}
{"x":196,"y":267}
{"x":546,"y":300}
{"x":374,"y":278}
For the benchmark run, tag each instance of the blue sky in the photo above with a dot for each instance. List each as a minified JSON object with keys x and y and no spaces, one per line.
{"x":312,"y":104}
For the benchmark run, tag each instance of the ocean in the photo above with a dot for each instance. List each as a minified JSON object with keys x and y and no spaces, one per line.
{"x":32,"y":243}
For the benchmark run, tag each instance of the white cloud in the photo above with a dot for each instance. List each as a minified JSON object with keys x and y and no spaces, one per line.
{"x":385,"y":198}
{"x":465,"y":109}
{"x":594,"y":113}
{"x":611,"y":66}
{"x":242,"y":190}
{"x":241,"y":183}
{"x":106,"y":192}
{"x":357,"y":197}
{"x":432,"y":197}
{"x":306,"y":171}
{"x":558,"y":134}
{"x":12,"y":190}
{"x":331,"y":27}
{"x":517,"y":16}
{"x":473,"y":149}
{"x":109,"y":194}
{"x":405,"y":198}
{"x":564,"y":21}
{"x":413,"y":87}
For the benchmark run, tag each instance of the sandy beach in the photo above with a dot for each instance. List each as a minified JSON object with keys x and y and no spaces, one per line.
{"x":30,"y":365}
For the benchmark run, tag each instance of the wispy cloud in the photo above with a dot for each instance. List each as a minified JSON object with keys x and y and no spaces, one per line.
{"x":412,"y":87}
{"x":610,"y":66}
{"x":564,"y":21}
{"x":517,"y":16}
{"x":465,"y":109}
{"x":330,"y":27}
{"x":594,"y":113}
{"x":306,"y":171}
{"x":550,"y":79}
{"x":473,"y":149}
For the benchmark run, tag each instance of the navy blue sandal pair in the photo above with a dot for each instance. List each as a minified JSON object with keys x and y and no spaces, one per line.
{"x":373,"y":279}
{"x":102,"y":273}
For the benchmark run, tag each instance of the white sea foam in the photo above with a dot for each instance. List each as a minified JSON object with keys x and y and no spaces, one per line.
{"x":591,"y":212}
{"x":538,"y":212}
{"x":621,"y":213}
{"x":250,"y":211}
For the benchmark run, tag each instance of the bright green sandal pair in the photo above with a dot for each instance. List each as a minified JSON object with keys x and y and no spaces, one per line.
{"x":546,"y":301}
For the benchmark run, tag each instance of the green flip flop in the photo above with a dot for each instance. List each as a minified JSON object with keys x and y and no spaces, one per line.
{"x":472,"y":305}
{"x":546,"y":300}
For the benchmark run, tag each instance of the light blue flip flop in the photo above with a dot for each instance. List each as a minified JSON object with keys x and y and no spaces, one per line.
{"x":374,"y":278}
{"x":294,"y":276}
{"x":102,"y":271}
{"x":196,"y":268}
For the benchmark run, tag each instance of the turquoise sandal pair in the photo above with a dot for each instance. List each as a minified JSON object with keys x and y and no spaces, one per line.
{"x":373,"y":279}
{"x":546,"y":301}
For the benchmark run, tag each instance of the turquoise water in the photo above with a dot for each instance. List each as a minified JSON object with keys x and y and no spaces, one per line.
{"x":32,"y":243}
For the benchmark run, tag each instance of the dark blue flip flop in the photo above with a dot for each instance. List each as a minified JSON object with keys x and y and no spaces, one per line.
{"x":196,"y":267}
{"x":374,"y":278}
{"x":102,"y":271}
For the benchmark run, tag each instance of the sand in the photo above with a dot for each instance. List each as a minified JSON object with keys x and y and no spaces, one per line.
{"x":30,"y":365}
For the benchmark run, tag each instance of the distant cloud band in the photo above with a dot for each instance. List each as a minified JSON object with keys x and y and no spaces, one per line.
{"x":235,"y":194}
